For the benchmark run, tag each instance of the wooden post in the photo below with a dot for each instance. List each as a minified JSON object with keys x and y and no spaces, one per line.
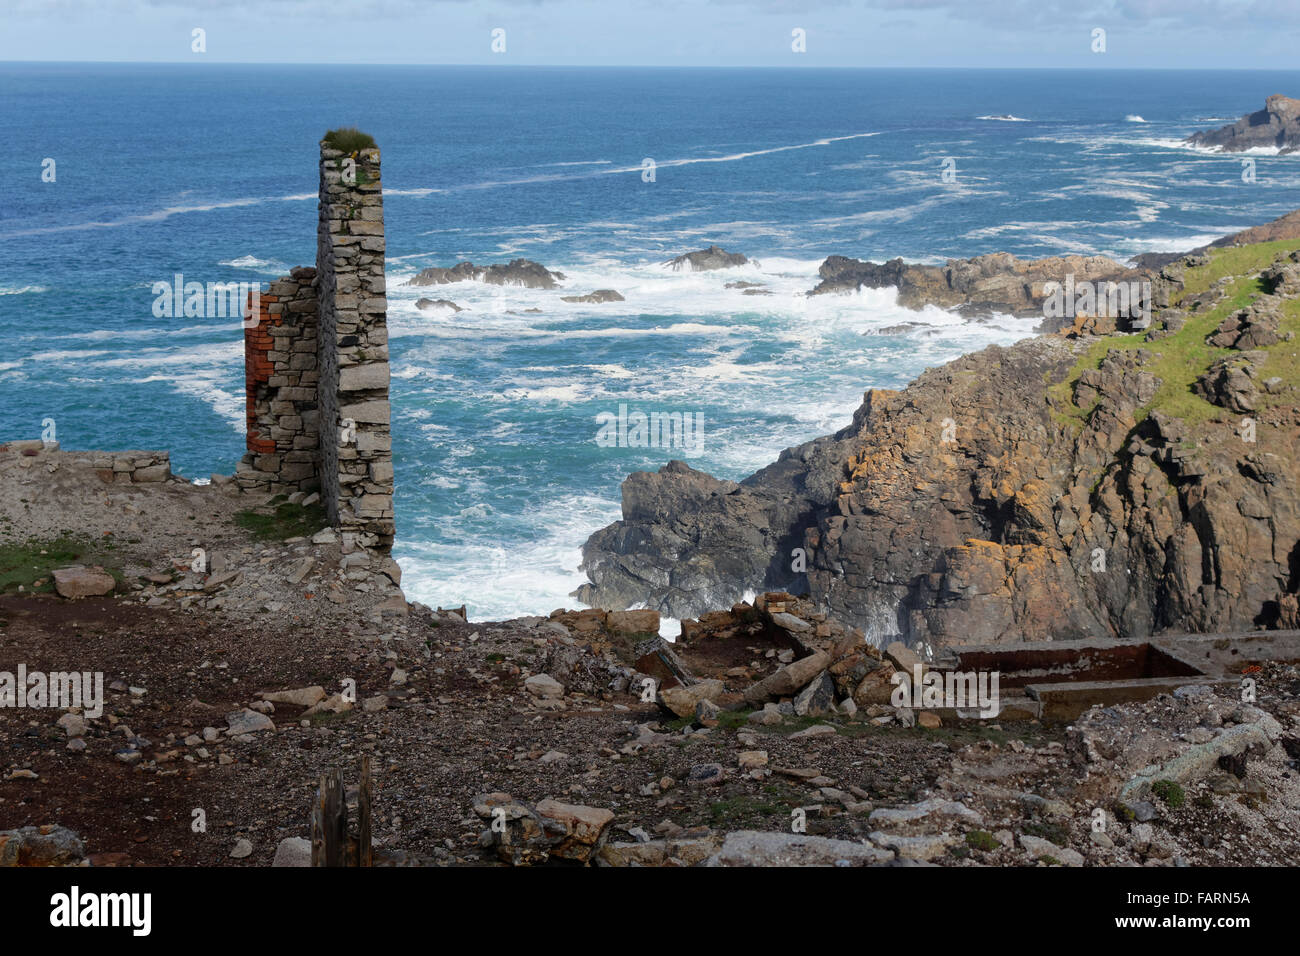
{"x":365,"y":855}
{"x":336,"y":819}
{"x":330,"y":843}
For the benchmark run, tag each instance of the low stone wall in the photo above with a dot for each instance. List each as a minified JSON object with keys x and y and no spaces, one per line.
{"x":112,"y":467}
{"x":133,"y":467}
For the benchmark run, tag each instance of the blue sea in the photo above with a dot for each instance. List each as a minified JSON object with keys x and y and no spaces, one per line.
{"x":210,"y":171}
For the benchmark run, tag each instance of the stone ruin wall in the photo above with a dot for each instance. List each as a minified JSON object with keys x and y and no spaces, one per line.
{"x":281,"y":377}
{"x":316,"y":365}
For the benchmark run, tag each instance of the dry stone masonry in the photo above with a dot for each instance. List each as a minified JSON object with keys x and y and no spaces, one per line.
{"x":357,"y":465}
{"x":316,"y":364}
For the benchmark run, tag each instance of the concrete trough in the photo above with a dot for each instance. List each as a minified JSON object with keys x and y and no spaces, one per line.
{"x":1064,"y":679}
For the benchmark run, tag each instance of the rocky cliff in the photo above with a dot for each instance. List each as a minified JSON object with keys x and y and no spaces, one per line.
{"x":1065,"y":487}
{"x":1277,"y":125}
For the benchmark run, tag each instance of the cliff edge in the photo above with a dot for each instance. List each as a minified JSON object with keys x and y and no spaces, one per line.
{"x":1113,"y":485}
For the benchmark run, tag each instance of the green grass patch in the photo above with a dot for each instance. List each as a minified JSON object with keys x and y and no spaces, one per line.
{"x":793,"y":724}
{"x":1179,"y":360}
{"x":23,"y":564}
{"x":736,"y":811}
{"x":981,"y":840}
{"x":1236,"y":261}
{"x":1171,"y":793}
{"x":279,"y":521}
{"x":349,"y":139}
{"x":325,"y":718}
{"x":1283,"y":359}
{"x":1052,"y":832}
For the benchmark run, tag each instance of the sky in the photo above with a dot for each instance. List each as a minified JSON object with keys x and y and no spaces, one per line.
{"x":1165,"y":34}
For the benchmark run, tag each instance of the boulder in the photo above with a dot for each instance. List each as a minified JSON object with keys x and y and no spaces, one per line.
{"x":633,"y":622}
{"x":50,"y":845}
{"x":81,"y":582}
{"x":292,"y":852}
{"x":1256,"y":326}
{"x":924,"y":846}
{"x":544,"y":686}
{"x":818,"y":698}
{"x":682,"y":701}
{"x":788,"y":679}
{"x":247,"y":721}
{"x":582,"y":826}
{"x":903,"y":657}
{"x":301,"y":697}
{"x":520,"y":834}
{"x":1228,"y":383}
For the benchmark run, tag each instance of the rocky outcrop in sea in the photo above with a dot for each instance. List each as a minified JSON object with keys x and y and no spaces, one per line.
{"x":998,"y":282}
{"x":707,"y":260}
{"x":523,"y":272}
{"x":1276,"y":126}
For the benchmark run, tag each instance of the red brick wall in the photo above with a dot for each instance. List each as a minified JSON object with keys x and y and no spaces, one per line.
{"x":280,"y":382}
{"x":258,"y":370}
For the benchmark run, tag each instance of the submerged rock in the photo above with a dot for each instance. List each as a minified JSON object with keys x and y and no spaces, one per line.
{"x":600,"y":295}
{"x":430,"y":305}
{"x":707,"y":260}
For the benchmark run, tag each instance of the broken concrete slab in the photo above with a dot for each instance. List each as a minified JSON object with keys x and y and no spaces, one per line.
{"x":759,"y":848}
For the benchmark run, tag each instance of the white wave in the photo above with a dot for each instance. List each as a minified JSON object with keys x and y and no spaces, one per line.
{"x":1004,"y":118}
{"x":158,"y":215}
{"x":581,"y":162}
{"x":619,"y":170}
{"x":1174,"y":243}
{"x":546,"y":393}
{"x":22,"y":289}
{"x":267,"y":266}
{"x":206,"y":386}
{"x":76,"y":355}
{"x":1182,"y":144}
{"x":1133,"y":118}
{"x":528,"y":569}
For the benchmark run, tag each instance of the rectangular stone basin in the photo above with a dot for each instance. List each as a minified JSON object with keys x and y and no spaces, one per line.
{"x":1066,"y":678}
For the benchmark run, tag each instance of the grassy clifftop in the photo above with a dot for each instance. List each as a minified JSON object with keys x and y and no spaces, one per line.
{"x":1181,"y":358}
